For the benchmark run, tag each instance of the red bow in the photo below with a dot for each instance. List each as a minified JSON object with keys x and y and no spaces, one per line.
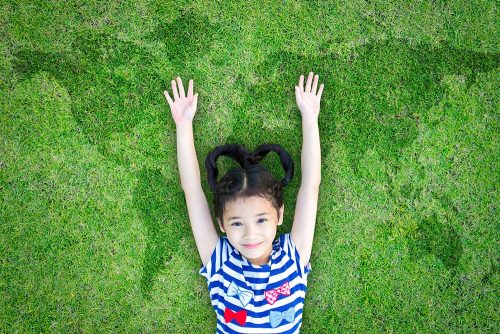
{"x":240,"y":316}
{"x":272,"y":295}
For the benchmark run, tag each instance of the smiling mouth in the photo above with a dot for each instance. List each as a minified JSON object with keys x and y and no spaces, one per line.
{"x":252,"y":245}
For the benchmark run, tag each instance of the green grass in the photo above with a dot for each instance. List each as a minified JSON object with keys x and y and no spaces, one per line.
{"x":94,"y":230}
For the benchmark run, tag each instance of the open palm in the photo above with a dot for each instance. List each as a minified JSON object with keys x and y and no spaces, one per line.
{"x":307,"y":99}
{"x":183,"y":107}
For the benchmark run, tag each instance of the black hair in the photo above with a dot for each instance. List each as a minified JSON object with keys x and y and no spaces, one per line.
{"x":252,"y":179}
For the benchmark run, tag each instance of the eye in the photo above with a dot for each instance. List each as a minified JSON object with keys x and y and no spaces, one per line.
{"x":234,"y":224}
{"x":264,"y":220}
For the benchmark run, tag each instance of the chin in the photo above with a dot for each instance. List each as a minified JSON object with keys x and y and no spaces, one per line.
{"x":259,"y":250}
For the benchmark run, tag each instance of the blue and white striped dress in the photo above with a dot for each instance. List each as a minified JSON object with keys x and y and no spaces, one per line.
{"x":250,"y":298}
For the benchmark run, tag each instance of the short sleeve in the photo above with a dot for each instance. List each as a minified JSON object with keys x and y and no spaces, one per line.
{"x":220,"y":255}
{"x":293,"y":253}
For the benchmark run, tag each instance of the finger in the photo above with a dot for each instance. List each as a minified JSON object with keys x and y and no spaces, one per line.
{"x":301,"y":83}
{"x":181,"y":87}
{"x":174,"y":89}
{"x":308,"y":84}
{"x":190,"y":89}
{"x":195,"y":101}
{"x":315,"y":84}
{"x":169,"y":100}
{"x":320,"y":91}
{"x":297,"y":92}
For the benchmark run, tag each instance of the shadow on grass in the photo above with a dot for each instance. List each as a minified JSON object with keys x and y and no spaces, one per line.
{"x":111,"y":82}
{"x":439,"y":238}
{"x":373,"y":98}
{"x":158,"y":207}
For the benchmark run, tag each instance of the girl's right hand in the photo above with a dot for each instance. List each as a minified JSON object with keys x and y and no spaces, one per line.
{"x":184,"y":107}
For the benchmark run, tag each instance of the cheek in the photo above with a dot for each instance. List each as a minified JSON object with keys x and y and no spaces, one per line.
{"x":234,"y":233}
{"x":271,"y":227}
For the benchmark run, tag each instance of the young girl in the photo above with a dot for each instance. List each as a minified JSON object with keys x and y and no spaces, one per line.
{"x":257,"y":284}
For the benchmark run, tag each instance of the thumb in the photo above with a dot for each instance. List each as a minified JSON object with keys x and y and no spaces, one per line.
{"x":195,"y":101}
{"x":298,"y":94}
{"x":298,"y":91}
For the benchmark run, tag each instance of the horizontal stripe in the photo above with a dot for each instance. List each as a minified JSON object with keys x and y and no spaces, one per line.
{"x":227,"y":266}
{"x":279,"y":306}
{"x":234,"y":327}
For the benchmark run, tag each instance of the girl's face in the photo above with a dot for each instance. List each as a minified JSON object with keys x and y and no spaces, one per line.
{"x":250,"y":225}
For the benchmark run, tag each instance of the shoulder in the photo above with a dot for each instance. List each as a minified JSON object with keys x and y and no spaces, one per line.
{"x":286,"y":242}
{"x":220,"y":255}
{"x":290,"y":248}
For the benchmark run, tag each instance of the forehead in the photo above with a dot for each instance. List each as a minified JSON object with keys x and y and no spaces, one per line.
{"x":249,"y":205}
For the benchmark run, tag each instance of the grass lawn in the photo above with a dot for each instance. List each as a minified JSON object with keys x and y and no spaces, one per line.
{"x":94,"y":230}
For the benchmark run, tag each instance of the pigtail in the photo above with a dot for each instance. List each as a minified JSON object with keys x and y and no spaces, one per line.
{"x":246,"y":159}
{"x":250,"y":180}
{"x":234,"y":151}
{"x":285,"y":158}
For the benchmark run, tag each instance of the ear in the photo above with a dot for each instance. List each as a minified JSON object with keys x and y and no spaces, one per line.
{"x":282,"y":209}
{"x":220,"y":225}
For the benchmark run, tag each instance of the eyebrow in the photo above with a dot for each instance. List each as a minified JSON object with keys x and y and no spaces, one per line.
{"x":260,"y":214}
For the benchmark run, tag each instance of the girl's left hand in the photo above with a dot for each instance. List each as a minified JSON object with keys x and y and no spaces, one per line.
{"x":307,"y":100}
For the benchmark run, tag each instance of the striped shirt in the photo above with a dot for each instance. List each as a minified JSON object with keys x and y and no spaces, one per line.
{"x":250,"y":298}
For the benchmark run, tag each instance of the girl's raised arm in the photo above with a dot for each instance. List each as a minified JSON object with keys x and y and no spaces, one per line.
{"x":183,"y":110}
{"x":304,"y":220}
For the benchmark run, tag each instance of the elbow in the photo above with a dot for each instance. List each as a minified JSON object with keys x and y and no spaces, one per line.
{"x":316,"y":183}
{"x":312,"y":181}
{"x":190,"y":187}
{"x":311,"y":185}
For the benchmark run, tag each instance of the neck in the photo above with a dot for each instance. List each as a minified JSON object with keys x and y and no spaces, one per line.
{"x":264,"y":259}
{"x":259,"y":262}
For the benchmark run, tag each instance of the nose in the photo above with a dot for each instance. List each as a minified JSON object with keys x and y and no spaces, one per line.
{"x":250,"y":232}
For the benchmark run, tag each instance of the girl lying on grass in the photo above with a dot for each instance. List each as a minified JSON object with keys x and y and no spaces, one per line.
{"x":257,"y":284}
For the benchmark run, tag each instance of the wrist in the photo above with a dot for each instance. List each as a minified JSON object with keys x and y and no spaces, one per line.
{"x":184,"y":126}
{"x":308,"y":120}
